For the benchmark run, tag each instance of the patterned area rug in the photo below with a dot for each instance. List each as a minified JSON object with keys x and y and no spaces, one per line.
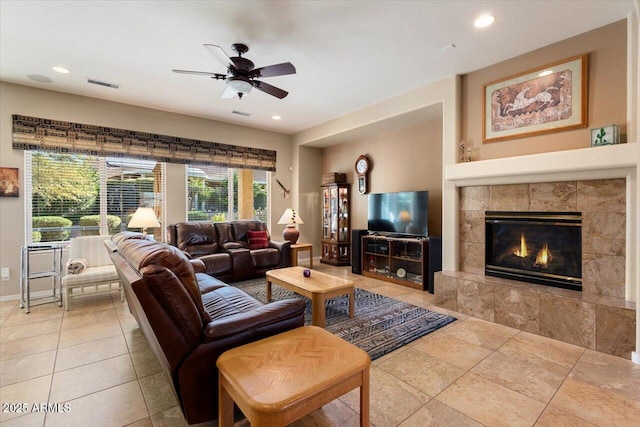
{"x":379,"y":326}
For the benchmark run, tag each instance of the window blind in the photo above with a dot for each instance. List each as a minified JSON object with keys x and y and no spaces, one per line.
{"x":68,"y":195}
{"x":33,"y":133}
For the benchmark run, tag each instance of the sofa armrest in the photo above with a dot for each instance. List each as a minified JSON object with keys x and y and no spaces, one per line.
{"x":285,"y":251}
{"x":198,"y":265}
{"x":259,"y":317}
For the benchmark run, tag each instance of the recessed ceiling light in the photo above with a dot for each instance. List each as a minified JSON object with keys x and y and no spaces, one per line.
{"x":545,"y":73}
{"x":276,"y":117}
{"x":60,"y":70}
{"x":484,"y":21}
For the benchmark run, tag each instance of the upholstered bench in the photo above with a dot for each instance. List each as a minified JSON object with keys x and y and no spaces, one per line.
{"x":89,"y":270}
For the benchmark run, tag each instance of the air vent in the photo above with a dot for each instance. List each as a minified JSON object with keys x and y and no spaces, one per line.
{"x":101,"y":83}
{"x":241,"y":113}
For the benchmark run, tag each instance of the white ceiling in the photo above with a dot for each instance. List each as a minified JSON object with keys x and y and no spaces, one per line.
{"x":348,"y":54}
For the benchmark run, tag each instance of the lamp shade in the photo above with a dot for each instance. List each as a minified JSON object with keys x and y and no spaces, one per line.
{"x":144,"y":218}
{"x":290,"y":216}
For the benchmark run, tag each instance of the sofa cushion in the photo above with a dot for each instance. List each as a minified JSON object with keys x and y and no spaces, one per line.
{"x":265,"y":258}
{"x":196,"y":238}
{"x":258,"y":239}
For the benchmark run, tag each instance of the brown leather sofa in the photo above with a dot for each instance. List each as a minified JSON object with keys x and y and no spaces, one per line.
{"x":225,"y":248}
{"x":190,"y":318}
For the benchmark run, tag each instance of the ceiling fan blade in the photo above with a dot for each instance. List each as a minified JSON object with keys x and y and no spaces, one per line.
{"x":201,"y":73}
{"x":274,"y":70}
{"x":271,"y":90}
{"x":228,"y":93}
{"x":222,"y":56}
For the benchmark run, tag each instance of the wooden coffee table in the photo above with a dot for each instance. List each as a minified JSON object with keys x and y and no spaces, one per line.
{"x":278,"y":380}
{"x":318,"y":287}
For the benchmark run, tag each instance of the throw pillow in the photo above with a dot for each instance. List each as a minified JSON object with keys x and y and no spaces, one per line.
{"x":76,"y":265}
{"x":258,"y":239}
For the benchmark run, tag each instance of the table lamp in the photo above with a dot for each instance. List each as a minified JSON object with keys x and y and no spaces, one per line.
{"x":290,"y":217}
{"x":144,"y":218}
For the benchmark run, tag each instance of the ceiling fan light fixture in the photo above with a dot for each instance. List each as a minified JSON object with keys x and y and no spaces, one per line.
{"x":240,"y":85}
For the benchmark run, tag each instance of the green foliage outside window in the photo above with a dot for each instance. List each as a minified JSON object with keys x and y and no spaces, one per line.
{"x":60,"y":228}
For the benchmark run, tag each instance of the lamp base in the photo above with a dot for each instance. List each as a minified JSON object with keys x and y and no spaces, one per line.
{"x":291,"y":234}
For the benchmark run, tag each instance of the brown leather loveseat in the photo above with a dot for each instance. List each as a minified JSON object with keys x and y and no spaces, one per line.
{"x":190,"y":318}
{"x":231,"y":251}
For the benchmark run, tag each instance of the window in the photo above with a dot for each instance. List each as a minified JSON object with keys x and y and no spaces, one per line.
{"x":218,"y":193}
{"x":69,"y":195}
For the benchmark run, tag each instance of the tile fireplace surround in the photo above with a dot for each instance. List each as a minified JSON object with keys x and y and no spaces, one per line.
{"x":599,"y":317}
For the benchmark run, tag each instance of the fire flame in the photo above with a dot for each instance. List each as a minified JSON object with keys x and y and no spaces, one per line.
{"x":544,"y":256}
{"x":522,"y":252}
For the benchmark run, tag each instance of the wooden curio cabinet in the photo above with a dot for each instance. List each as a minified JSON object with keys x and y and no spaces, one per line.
{"x":336,"y":224}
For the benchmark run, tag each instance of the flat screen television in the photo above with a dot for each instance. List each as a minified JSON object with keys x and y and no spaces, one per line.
{"x":399,"y":214}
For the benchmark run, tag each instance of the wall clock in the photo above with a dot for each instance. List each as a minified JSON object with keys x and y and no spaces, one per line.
{"x":363,"y":166}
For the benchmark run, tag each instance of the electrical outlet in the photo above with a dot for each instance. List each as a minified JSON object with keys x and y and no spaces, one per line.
{"x":4,"y":273}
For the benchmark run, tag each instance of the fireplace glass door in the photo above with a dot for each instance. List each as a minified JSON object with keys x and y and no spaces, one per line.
{"x":538,"y":247}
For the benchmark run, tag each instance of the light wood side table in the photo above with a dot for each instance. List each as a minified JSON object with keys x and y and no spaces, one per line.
{"x":301,"y":247}
{"x":278,"y":380}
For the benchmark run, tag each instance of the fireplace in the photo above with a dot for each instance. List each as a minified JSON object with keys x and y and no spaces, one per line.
{"x":536,"y":247}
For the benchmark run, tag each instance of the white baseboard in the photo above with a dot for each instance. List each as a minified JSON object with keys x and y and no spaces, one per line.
{"x":635,"y":357}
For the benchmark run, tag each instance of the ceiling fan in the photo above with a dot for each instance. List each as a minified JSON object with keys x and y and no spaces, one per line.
{"x":241,"y":75}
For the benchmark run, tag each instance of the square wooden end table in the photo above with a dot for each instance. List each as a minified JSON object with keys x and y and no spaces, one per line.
{"x":296,"y":248}
{"x":318,"y":287}
{"x":278,"y":380}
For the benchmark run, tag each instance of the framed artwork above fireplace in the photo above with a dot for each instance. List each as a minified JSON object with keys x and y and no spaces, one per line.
{"x":546,"y":99}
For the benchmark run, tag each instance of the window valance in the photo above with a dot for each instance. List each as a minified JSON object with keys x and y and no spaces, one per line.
{"x":33,"y":133}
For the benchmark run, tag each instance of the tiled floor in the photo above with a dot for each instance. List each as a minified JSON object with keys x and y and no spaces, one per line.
{"x":94,"y":359}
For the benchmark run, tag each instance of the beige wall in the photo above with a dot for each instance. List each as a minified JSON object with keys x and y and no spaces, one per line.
{"x":16,"y":99}
{"x":407,"y":159}
{"x":607,"y":49}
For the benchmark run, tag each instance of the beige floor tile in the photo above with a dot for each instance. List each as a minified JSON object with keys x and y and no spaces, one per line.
{"x":145,"y":362}
{"x":90,"y":303}
{"x":542,"y":350}
{"x":437,"y":414}
{"x":78,"y":319}
{"x":90,"y":352}
{"x":116,"y":406}
{"x":157,"y":392}
{"x":480,"y":332}
{"x":7,"y":307}
{"x":552,"y":417}
{"x":426,"y":373}
{"x":3,"y":319}
{"x":142,"y":423}
{"x":490,"y":403}
{"x":333,"y":414}
{"x":598,"y":405}
{"x":27,"y":392}
{"x":391,"y":400}
{"x":609,"y":372}
{"x":27,"y":367}
{"x":529,"y":379}
{"x":418,"y":298}
{"x":28,"y":346}
{"x":37,"y":314}
{"x":30,"y":420}
{"x":460,"y":353}
{"x":88,"y":333}
{"x":86,"y":379}
{"x":32,"y":329}
{"x":128,"y":324}
{"x":136,"y":340}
